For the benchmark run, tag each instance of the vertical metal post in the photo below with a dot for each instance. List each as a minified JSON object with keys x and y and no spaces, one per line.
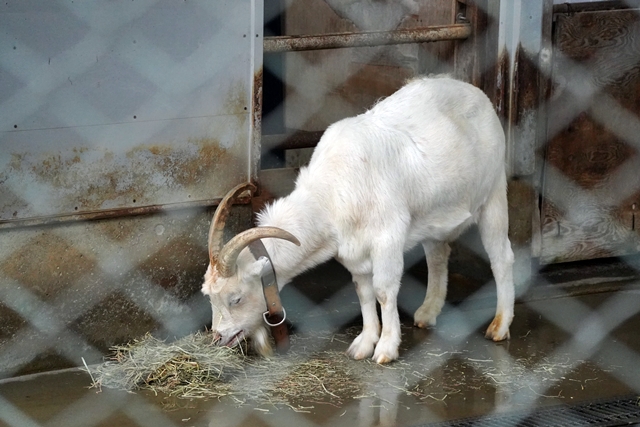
{"x":524,"y":46}
{"x":257,"y":19}
{"x":524,"y":58}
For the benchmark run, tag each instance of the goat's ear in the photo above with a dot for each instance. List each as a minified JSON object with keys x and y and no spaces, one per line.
{"x":212,"y":283}
{"x":255,"y":268}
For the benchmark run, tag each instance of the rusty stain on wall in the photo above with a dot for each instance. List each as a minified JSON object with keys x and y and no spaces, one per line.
{"x":93,"y":179}
{"x":181,"y":167}
{"x":257,"y":100}
{"x":256,"y":119}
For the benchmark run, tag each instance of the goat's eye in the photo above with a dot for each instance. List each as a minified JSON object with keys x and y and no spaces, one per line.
{"x":235,"y":300}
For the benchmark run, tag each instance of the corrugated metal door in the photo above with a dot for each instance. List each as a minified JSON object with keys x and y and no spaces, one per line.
{"x":124,"y":104}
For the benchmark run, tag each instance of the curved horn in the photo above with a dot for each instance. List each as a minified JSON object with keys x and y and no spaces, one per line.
{"x":229,"y":254}
{"x":220,"y":217}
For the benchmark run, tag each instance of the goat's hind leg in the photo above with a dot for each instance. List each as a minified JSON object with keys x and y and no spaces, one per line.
{"x":437,"y":262}
{"x":494,"y":225}
{"x":364,"y":344}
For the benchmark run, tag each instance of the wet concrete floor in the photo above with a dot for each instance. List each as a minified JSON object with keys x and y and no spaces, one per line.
{"x":563,"y":349}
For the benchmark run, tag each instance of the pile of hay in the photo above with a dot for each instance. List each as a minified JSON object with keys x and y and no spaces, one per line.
{"x":193,"y":367}
{"x":189,"y":367}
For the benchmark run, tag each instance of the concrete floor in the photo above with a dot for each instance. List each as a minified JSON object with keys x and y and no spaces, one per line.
{"x":564,"y":348}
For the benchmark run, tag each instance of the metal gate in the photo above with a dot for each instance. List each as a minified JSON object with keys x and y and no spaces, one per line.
{"x":591,"y":190}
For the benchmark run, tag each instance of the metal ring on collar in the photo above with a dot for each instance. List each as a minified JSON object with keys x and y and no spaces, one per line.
{"x":284,"y":317}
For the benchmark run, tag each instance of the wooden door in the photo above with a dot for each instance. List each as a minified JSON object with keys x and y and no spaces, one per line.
{"x":591,"y":178}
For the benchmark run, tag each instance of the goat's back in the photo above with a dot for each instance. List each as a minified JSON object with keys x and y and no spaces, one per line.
{"x":433,"y":148}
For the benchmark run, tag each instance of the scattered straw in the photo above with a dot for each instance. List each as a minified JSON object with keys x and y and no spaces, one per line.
{"x":193,"y":367}
{"x":316,"y":378}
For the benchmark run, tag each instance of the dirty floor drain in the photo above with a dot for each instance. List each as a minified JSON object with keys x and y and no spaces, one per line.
{"x":623,"y":411}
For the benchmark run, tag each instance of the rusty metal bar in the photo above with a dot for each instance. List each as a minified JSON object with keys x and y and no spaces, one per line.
{"x":372,"y":38}
{"x":112,"y":213}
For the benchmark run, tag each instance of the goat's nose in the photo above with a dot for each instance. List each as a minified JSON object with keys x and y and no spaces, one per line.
{"x":216,"y":337}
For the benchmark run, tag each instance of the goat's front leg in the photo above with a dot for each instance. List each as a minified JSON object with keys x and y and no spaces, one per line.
{"x":387,"y":272}
{"x":362,"y":347}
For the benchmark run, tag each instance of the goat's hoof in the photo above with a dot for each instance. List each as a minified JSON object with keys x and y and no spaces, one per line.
{"x":383,"y":359}
{"x":358,"y":355}
{"x":497,"y":331}
{"x":361,"y":347}
{"x":497,"y":337}
{"x":382,"y":356}
{"x":425,"y":317}
{"x":423,"y":325}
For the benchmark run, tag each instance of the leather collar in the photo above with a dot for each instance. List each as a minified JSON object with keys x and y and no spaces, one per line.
{"x":275,"y":315}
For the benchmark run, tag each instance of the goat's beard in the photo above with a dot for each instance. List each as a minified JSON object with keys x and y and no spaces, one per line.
{"x":261,"y":342}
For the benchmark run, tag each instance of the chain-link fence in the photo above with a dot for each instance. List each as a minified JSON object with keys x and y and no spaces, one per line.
{"x":72,"y":288}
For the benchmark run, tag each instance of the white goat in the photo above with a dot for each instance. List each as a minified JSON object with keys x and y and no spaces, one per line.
{"x":419,"y":167}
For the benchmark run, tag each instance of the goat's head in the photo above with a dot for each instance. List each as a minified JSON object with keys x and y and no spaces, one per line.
{"x":233,"y":283}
